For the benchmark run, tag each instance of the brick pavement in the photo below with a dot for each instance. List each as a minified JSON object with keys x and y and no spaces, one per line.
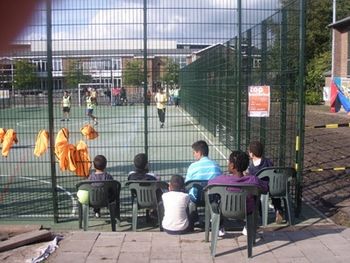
{"x":327,"y":243}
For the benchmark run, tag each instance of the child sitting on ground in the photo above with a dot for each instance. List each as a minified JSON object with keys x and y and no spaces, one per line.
{"x":176,"y":218}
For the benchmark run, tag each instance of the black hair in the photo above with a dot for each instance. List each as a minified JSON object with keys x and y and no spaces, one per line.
{"x":201,"y":146}
{"x":240,"y":160}
{"x":140,"y":162}
{"x":100,"y":162}
{"x":177,"y":183}
{"x":256,"y":148}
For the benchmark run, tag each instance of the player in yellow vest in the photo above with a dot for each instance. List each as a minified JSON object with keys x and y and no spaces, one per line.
{"x":161,"y":99}
{"x":90,"y":105}
{"x":66,"y":104}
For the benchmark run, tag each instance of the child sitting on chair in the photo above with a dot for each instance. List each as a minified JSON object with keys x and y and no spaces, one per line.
{"x":237,"y":164}
{"x":176,"y":219}
{"x":100,"y":164}
{"x":141,"y":171}
{"x":258,"y":162}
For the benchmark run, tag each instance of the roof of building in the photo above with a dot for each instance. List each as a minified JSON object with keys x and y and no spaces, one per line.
{"x":342,"y":25}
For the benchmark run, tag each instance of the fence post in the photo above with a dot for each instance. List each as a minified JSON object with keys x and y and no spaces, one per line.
{"x":50,"y":105}
{"x":145,"y":75}
{"x":263,"y":75}
{"x":301,"y":108}
{"x":283,"y":85}
{"x":239,"y":74}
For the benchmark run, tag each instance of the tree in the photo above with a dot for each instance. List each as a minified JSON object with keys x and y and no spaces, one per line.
{"x":76,"y":75}
{"x":133,"y":73}
{"x":25,"y":77}
{"x":172,"y":71}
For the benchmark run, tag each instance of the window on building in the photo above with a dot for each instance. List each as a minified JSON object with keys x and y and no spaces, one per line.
{"x":57,"y":64}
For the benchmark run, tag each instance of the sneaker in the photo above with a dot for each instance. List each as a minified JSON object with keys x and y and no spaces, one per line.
{"x":162,"y":125}
{"x":244,"y":231}
{"x":222,"y":232}
{"x":95,"y":121}
{"x":279,"y":217}
{"x":67,"y":119}
{"x":62,"y":119}
{"x":97,"y":215}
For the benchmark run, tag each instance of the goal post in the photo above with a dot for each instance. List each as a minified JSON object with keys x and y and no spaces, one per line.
{"x":83,"y":86}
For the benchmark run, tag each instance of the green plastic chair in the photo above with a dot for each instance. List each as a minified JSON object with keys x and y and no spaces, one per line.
{"x":279,"y":181}
{"x":144,"y":195}
{"x":200,"y":184}
{"x":101,"y":194}
{"x":232,"y":206}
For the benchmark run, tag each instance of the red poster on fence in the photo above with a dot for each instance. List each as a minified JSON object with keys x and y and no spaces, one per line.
{"x":258,"y":101}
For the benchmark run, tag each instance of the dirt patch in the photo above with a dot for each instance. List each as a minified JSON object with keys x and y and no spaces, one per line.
{"x":329,"y":190}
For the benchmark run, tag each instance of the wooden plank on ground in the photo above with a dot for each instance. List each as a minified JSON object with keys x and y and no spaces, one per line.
{"x":25,"y":239}
{"x":13,"y":230}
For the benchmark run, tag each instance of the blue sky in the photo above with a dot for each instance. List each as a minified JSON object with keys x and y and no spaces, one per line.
{"x":183,"y":21}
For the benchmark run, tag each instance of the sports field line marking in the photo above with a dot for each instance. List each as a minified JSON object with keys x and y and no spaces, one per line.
{"x":77,"y":121}
{"x":205,"y":136}
{"x":74,"y":202}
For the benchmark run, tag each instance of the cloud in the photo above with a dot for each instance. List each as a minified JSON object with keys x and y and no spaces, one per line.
{"x":195,"y":21}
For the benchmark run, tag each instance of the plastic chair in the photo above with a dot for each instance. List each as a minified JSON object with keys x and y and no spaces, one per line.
{"x":144,"y":195}
{"x":199,"y":184}
{"x":232,"y":205}
{"x":279,"y":180}
{"x":101,"y":194}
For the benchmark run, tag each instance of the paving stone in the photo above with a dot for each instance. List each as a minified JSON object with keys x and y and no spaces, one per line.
{"x":84,"y":235}
{"x":125,"y":257}
{"x":288,"y":251}
{"x":96,"y":258}
{"x":140,"y":247}
{"x":138,"y":236}
{"x":77,"y":245}
{"x":109,"y":241}
{"x":106,"y":252}
{"x":300,"y":235}
{"x":67,"y":257}
{"x":345,"y":233}
{"x":203,"y":257}
{"x":166,"y":254}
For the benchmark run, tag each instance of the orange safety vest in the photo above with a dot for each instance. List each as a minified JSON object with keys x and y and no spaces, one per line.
{"x":89,"y":132}
{"x":82,"y":159}
{"x":41,"y":143}
{"x":9,"y":139}
{"x":65,"y":151}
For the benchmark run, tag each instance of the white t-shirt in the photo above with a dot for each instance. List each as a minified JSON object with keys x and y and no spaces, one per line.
{"x":175,"y":216}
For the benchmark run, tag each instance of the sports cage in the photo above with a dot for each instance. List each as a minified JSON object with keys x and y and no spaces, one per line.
{"x":213,"y":51}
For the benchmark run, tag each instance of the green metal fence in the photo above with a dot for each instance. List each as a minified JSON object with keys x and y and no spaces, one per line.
{"x":75,"y":45}
{"x":215,"y":86}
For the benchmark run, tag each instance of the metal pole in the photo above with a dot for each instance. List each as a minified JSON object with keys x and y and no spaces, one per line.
{"x":50,"y":105}
{"x":238,"y":80}
{"x":301,"y":110}
{"x":333,"y":38}
{"x":145,"y":74}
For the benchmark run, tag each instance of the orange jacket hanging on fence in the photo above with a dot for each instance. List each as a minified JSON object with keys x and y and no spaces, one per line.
{"x":64,"y":151}
{"x":89,"y":132}
{"x":41,"y":143}
{"x":9,"y":139}
{"x":2,"y":134}
{"x":82,"y":159}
